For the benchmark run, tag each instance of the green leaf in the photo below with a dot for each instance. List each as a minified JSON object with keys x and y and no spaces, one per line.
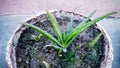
{"x":87,"y":19}
{"x":69,"y":26}
{"x":54,"y":46}
{"x":80,"y":29}
{"x":47,"y":65}
{"x":90,"y":45}
{"x":37,"y":38}
{"x":72,"y":53}
{"x":55,"y":26}
{"x":82,"y":23}
{"x":43,"y":33}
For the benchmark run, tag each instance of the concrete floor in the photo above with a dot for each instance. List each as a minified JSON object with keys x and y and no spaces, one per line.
{"x":81,"y":6}
{"x":8,"y":24}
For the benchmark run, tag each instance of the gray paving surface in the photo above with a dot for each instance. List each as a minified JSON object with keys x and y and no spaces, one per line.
{"x":8,"y":24}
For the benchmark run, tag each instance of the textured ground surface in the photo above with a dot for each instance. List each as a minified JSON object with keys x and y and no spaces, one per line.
{"x":8,"y":23}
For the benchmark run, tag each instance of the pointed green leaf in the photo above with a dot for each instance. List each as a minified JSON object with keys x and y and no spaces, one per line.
{"x":95,"y":40}
{"x":47,"y":65}
{"x":55,"y":26}
{"x":80,"y":29}
{"x":86,"y":19}
{"x":54,"y":46}
{"x":70,"y":26}
{"x":83,"y":22}
{"x":43,"y":33}
{"x":72,"y":53}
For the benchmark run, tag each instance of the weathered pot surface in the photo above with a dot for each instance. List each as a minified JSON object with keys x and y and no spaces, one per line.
{"x":12,"y":44}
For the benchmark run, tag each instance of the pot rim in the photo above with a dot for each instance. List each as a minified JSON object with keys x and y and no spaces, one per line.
{"x":108,"y":50}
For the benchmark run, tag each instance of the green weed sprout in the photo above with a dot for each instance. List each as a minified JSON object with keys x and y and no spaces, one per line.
{"x":63,"y":41}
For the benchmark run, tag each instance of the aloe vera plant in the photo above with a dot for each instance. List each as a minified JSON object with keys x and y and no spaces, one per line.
{"x":63,"y":41}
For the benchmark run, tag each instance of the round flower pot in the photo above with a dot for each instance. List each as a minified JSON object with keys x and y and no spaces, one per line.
{"x":24,"y":52}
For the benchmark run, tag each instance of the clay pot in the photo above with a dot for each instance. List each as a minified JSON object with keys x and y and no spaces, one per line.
{"x":13,"y":42}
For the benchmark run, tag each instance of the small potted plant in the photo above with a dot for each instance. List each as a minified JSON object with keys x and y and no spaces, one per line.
{"x":60,"y":39}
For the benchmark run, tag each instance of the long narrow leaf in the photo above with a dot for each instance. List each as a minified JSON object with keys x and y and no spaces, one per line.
{"x":79,"y":30}
{"x":54,"y":46}
{"x":86,"y":19}
{"x":44,"y":33}
{"x":69,"y":29}
{"x":83,"y":22}
{"x":95,"y":40}
{"x":47,"y":65}
{"x":72,"y":53}
{"x":55,"y":26}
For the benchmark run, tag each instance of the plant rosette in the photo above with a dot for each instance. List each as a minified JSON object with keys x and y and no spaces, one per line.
{"x":60,"y":39}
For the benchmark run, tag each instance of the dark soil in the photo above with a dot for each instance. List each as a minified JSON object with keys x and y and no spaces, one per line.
{"x":31,"y":53}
